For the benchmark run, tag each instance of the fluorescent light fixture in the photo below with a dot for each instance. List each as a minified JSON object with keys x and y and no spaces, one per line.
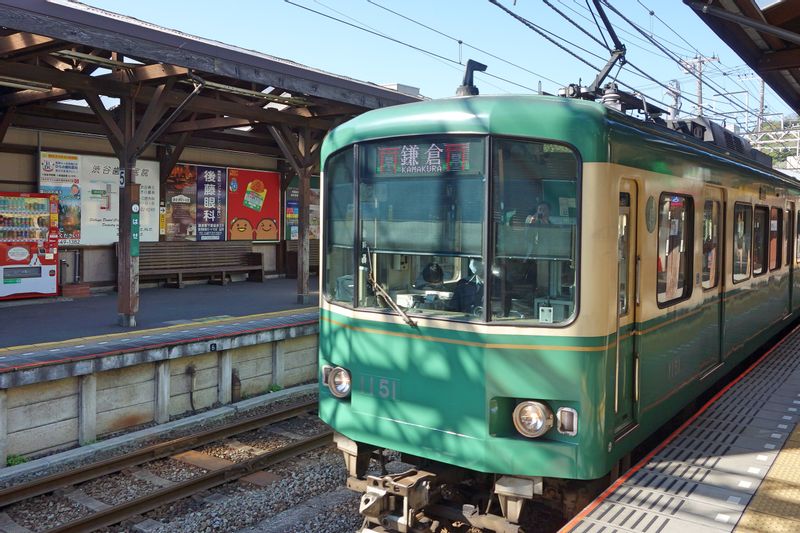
{"x":17,"y":83}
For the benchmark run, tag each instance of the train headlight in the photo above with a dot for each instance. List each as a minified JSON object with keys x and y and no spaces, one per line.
{"x":339,"y":382}
{"x":532,"y":419}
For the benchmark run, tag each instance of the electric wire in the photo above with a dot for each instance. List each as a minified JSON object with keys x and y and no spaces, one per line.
{"x":640,"y":72}
{"x":460,"y":42}
{"x":403,"y":43}
{"x":597,"y":24}
{"x":668,"y":53}
{"x":541,"y":32}
{"x":682,"y":38}
{"x":751,"y":89}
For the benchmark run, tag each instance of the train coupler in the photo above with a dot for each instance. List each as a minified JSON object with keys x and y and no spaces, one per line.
{"x":394,"y":501}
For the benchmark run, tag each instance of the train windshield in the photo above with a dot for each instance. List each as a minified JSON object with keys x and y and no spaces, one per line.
{"x":419,"y":243}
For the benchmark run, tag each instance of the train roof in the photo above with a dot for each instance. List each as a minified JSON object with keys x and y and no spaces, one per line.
{"x":586,"y":125}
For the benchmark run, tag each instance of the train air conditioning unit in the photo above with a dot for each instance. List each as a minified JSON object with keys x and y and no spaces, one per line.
{"x":705,"y":130}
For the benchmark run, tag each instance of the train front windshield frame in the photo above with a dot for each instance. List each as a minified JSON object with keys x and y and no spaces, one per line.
{"x":410,"y":214}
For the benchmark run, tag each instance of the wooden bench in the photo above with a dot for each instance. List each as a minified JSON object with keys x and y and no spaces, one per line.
{"x":173,"y":260}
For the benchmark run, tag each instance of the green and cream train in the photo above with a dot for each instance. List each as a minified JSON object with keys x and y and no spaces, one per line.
{"x":516,"y":291}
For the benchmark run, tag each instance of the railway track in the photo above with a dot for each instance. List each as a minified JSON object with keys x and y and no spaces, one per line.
{"x":154,"y":499}
{"x":151,"y":501}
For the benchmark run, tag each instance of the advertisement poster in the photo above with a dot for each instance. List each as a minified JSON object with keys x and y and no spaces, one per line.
{"x":212,"y":183}
{"x":313,"y":214}
{"x":60,"y":174}
{"x":253,"y":205}
{"x":180,"y":196}
{"x":292,"y":214}
{"x":100,"y":199}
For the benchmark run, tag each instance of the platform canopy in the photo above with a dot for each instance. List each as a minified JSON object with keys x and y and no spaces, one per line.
{"x":767,"y":38}
{"x":52,"y":51}
{"x":145,"y":84}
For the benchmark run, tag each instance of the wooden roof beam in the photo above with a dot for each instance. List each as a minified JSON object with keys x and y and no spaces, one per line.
{"x":782,"y":13}
{"x":108,"y":86}
{"x":219,"y":123}
{"x":780,"y":60}
{"x":22,"y":42}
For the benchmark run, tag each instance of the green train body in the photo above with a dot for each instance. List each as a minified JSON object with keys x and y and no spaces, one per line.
{"x":633,"y":341}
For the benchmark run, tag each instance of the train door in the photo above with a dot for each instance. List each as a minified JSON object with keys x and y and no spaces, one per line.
{"x":712,"y":277}
{"x":626,"y":364}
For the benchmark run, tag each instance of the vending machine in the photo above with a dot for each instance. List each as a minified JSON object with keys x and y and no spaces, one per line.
{"x":28,"y":245}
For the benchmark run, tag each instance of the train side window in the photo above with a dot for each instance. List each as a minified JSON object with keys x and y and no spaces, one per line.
{"x":797,"y":239}
{"x":787,"y":236}
{"x":742,"y":240}
{"x":710,"y":244}
{"x":760,"y":239}
{"x":674,"y":277}
{"x":775,"y":237}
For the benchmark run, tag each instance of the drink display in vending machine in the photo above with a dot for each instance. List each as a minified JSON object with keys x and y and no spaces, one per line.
{"x":28,"y":245}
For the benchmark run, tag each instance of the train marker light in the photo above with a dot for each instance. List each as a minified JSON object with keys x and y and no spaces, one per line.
{"x":326,"y":373}
{"x":532,"y":419}
{"x":567,"y":421}
{"x":339,"y":382}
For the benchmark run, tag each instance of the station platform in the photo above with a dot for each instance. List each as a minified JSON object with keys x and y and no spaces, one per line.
{"x":37,"y":333}
{"x":733,"y":466}
{"x":47,"y":320}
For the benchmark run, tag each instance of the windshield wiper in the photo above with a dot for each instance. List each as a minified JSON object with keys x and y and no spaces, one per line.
{"x":376,"y":287}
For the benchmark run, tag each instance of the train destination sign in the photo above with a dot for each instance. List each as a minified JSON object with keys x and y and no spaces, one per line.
{"x":427,"y":157}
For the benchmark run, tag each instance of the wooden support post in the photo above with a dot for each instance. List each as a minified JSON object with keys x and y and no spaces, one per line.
{"x":303,"y":297}
{"x":128,"y":259}
{"x":87,"y":415}
{"x":162,"y":378}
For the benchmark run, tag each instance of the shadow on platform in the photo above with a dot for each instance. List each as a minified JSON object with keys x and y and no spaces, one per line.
{"x":57,"y":319}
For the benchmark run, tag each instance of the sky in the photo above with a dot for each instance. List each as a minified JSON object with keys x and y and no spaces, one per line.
{"x":423,"y":50}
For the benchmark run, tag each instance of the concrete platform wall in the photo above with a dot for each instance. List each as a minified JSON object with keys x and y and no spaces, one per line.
{"x":60,"y":413}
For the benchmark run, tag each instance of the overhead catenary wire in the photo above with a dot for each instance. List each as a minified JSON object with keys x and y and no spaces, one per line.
{"x":541,"y":32}
{"x":460,"y":41}
{"x":403,"y":43}
{"x":676,"y":59}
{"x":670,"y":55}
{"x":682,"y":38}
{"x":650,"y":41}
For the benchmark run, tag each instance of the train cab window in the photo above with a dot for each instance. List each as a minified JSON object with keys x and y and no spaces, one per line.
{"x":775,"y":237}
{"x":421,"y":225}
{"x":674,"y":278}
{"x":338,"y":273}
{"x":760,"y":240}
{"x":711,"y":229}
{"x":742,"y":241}
{"x":534,"y":231}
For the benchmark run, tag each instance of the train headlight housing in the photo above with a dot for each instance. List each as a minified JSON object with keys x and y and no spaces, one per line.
{"x":339,"y":382}
{"x":532,"y":419}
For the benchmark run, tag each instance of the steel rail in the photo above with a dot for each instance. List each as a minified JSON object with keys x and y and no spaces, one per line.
{"x":47,"y":484}
{"x":154,"y":500}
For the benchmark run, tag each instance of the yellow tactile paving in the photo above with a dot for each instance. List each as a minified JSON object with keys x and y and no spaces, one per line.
{"x":776,"y":506}
{"x":136,"y":333}
{"x":753,"y":522}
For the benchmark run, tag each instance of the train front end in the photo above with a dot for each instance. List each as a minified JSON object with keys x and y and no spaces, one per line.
{"x":449,"y":327}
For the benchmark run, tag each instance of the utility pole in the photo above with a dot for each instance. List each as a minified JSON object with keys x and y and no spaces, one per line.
{"x":674,"y":90}
{"x":695,"y":67}
{"x":761,"y":105}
